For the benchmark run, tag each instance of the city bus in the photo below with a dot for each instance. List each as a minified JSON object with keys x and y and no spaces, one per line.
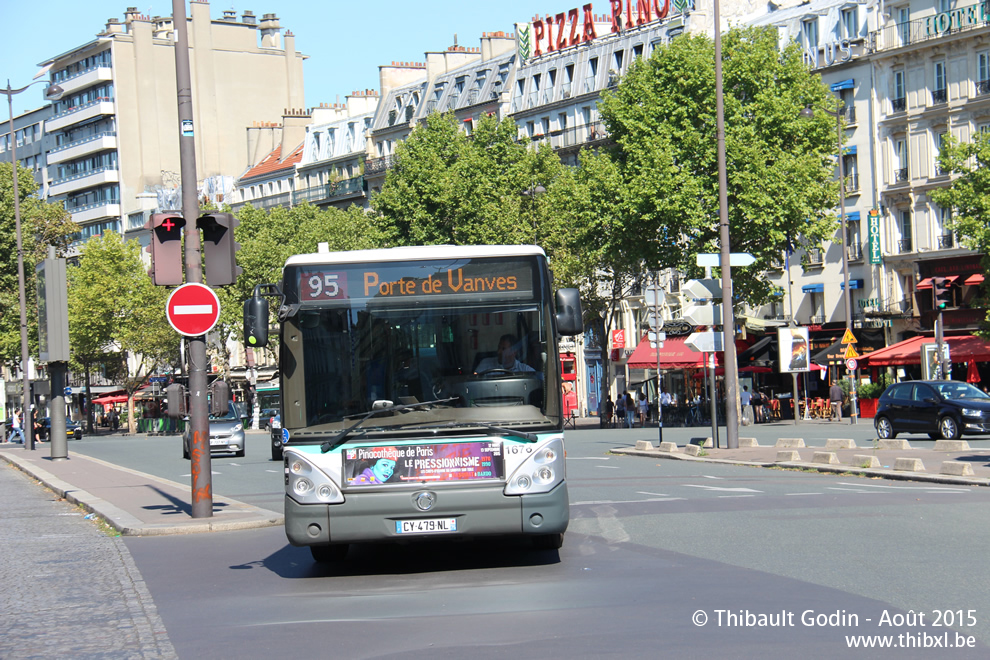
{"x":421,"y":395}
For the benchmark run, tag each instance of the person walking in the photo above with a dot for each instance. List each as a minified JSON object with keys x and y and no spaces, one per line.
{"x":745,"y":398}
{"x":757,"y":402}
{"x":644,"y":409}
{"x":620,"y":409}
{"x":15,"y":427}
{"x":630,"y":411}
{"x":835,"y":398}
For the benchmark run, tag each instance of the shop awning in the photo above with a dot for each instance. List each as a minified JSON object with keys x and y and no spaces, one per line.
{"x":674,"y":354}
{"x":962,"y":349}
{"x":927,"y":282}
{"x":853,"y":284}
{"x":844,"y":84}
{"x":813,"y":288}
{"x":116,"y":398}
{"x":973,"y":280}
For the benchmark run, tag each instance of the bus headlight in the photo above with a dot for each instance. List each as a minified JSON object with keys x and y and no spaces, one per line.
{"x":307,"y":484}
{"x":540,"y":472}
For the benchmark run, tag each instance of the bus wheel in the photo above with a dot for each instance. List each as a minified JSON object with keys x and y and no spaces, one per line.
{"x":548,"y":541}
{"x":325,"y":554}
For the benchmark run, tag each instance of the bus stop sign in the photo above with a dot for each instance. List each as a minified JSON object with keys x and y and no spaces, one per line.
{"x":193,"y":309}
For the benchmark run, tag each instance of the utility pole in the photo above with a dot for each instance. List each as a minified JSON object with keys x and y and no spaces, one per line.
{"x":199,"y":449}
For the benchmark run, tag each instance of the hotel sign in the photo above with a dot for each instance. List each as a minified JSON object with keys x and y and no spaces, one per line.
{"x":957,"y":19}
{"x":873,"y":232}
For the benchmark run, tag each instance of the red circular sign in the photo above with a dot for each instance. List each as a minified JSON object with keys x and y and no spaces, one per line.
{"x":193,"y":309}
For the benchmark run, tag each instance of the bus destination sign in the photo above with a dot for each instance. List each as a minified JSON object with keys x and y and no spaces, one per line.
{"x":414,"y":280}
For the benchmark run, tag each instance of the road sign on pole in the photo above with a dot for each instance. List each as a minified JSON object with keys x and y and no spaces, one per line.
{"x":704,"y":342}
{"x":193,"y":309}
{"x":653,"y":295}
{"x":735,"y":259}
{"x":702,"y":314}
{"x":702,"y":289}
{"x":654,"y":319}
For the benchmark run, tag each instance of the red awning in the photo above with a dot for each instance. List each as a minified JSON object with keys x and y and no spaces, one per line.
{"x":974,"y":279}
{"x":674,"y":354}
{"x":962,"y":349}
{"x":927,"y":282}
{"x":117,"y":398}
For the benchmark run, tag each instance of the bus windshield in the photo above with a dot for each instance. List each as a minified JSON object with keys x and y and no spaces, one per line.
{"x":484,"y":356}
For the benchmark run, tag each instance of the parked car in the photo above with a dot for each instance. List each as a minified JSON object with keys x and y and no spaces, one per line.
{"x":275,"y":428}
{"x":226,"y":433}
{"x":940,"y":408}
{"x":72,"y":429}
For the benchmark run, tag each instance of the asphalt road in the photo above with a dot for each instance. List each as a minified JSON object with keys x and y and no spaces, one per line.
{"x":654,"y":548}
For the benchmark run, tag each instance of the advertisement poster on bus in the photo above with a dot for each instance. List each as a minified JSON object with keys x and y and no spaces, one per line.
{"x":460,"y":461}
{"x":793,"y":343}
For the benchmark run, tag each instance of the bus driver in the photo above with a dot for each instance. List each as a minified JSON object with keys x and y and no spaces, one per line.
{"x":506,"y":358}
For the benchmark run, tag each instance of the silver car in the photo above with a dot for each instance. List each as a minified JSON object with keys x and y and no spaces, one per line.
{"x":226,"y":433}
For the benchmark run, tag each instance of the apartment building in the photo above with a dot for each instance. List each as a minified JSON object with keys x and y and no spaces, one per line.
{"x":29,"y":141}
{"x":114,"y":154}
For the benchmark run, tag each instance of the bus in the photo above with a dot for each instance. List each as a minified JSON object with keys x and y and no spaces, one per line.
{"x":421,"y":395}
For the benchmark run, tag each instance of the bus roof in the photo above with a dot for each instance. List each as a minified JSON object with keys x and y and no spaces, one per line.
{"x":416,"y":253}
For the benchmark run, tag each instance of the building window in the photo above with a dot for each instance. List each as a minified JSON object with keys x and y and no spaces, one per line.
{"x":983,"y":73}
{"x":939,"y":94}
{"x":904,"y":24}
{"x":637,"y":51}
{"x":851,"y":168}
{"x":943,"y":217}
{"x":944,"y":6}
{"x":898,"y":102}
{"x":589,"y":81}
{"x":938,"y":139}
{"x":905,"y":243}
{"x":850,"y":23}
{"x":809,"y":33}
{"x":900,"y":160}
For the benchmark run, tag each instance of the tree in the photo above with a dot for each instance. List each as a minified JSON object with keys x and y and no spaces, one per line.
{"x":117,"y":317}
{"x":969,"y":198}
{"x":448,"y":187}
{"x":42,"y":225}
{"x":779,"y":167}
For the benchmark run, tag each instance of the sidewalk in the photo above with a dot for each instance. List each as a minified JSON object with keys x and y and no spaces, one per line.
{"x":133,"y":503}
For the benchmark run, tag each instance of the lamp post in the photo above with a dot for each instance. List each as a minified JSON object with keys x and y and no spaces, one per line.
{"x":52,"y":93}
{"x":808,"y":113}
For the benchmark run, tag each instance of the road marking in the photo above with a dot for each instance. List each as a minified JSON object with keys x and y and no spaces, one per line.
{"x":854,"y":490}
{"x":804,"y":493}
{"x":588,"y":458}
{"x":608,"y":467}
{"x":931,"y":488}
{"x":708,"y":476}
{"x":734,"y":496}
{"x":642,"y":492}
{"x":652,"y":499}
{"x":275,"y":471}
{"x":730,"y":490}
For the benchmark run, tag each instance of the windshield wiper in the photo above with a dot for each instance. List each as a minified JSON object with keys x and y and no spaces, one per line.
{"x":339,"y":439}
{"x":525,"y":435}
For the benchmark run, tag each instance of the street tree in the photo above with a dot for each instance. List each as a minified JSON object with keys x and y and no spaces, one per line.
{"x":662,"y":118}
{"x":968,"y":196}
{"x":117,"y":319}
{"x":42,"y":225}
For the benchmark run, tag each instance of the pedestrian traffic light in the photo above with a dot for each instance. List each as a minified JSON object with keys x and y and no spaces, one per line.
{"x":219,"y":248}
{"x":175,"y":398}
{"x":256,"y":322}
{"x":219,"y":398}
{"x":166,"y":248}
{"x":943,"y":292}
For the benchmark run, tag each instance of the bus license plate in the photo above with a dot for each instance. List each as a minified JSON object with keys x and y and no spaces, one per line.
{"x":427,"y":526}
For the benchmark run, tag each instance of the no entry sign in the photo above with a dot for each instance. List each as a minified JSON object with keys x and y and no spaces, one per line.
{"x":193,"y":309}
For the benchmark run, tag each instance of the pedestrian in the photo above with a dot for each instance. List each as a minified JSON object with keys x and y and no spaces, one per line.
{"x":608,"y":409}
{"x":757,"y":402}
{"x":835,"y":398}
{"x":630,"y":411}
{"x":15,"y":427}
{"x":620,"y":409}
{"x":745,"y":398}
{"x":644,"y":409}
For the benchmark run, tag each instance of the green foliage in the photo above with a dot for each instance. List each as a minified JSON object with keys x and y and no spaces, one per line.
{"x":969,"y":198}
{"x":874,"y":390}
{"x":42,"y":225}
{"x":779,"y":166}
{"x":114,"y":309}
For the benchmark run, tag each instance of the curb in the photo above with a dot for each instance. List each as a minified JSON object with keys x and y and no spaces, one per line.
{"x":899,"y":475}
{"x":127,"y":524}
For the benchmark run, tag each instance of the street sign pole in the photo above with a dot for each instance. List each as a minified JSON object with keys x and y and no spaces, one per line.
{"x":199,"y":449}
{"x":659,"y":324}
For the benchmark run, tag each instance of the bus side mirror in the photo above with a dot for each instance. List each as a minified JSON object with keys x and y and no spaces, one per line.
{"x":256,"y":322}
{"x":569,"y":314}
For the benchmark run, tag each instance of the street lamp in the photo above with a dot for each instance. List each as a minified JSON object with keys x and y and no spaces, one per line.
{"x":808,"y":113}
{"x":53,"y":93}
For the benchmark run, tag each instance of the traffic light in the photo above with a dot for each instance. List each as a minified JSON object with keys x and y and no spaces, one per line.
{"x":256,"y":322}
{"x":943,"y":292}
{"x":166,"y":248}
{"x":219,"y":248}
{"x":219,"y":398}
{"x":175,"y":397}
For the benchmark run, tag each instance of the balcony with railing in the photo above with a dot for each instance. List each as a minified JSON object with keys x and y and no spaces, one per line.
{"x":904,"y":245}
{"x":575,"y":135}
{"x":817,"y":319}
{"x":91,"y":144}
{"x":983,"y":87}
{"x":376,"y":166}
{"x":961,"y":19}
{"x":945,"y":242}
{"x":589,"y":84}
{"x":901,"y":175}
{"x":852,"y":183}
{"x":849,"y":114}
{"x":898,"y":105}
{"x":900,"y":307}
{"x":854,"y":252}
{"x":814,"y":257}
{"x":939,"y":96}
{"x":313,"y":194}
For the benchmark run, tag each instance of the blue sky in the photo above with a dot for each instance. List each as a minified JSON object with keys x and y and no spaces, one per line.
{"x":346,"y":41}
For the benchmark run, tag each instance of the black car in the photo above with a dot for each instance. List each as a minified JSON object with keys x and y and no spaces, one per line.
{"x":72,"y":429}
{"x":940,"y":408}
